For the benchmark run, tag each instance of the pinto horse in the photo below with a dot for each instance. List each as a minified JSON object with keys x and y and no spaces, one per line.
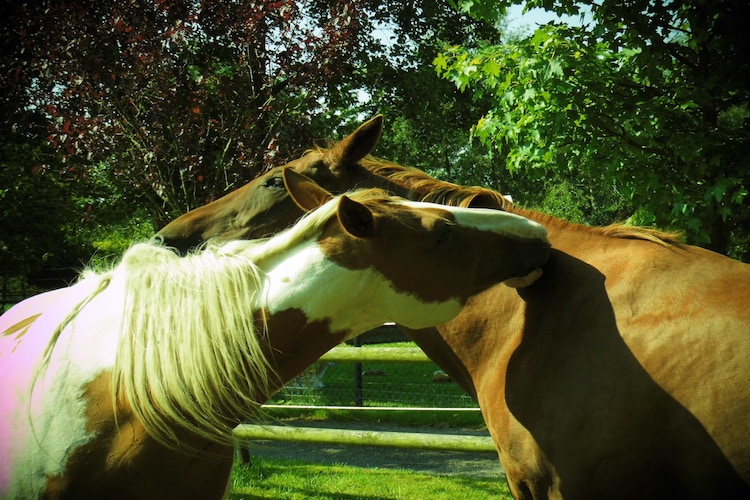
{"x":624,"y":372}
{"x":128,"y":383}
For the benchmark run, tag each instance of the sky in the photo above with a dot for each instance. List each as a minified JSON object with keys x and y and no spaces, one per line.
{"x":529,"y":21}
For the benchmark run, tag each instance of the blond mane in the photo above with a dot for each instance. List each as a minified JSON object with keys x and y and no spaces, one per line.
{"x":190,"y":351}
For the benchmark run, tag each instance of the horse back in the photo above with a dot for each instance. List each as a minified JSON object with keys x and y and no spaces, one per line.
{"x":684,"y":315}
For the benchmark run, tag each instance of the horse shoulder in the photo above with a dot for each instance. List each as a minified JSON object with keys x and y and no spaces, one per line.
{"x":622,"y":346}
{"x":123,"y":459}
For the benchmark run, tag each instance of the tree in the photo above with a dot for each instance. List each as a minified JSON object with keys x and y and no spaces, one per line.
{"x":34,"y":235}
{"x":427,"y":118}
{"x":650,"y":98}
{"x":181,"y":99}
{"x":169,"y":104}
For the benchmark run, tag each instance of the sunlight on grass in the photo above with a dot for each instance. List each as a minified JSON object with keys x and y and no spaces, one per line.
{"x":296,"y":480}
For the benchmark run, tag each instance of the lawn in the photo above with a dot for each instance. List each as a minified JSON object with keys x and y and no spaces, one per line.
{"x":293,"y":480}
{"x":384,"y":384}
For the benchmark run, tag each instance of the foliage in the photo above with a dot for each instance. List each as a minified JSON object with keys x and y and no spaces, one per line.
{"x":112,"y":219}
{"x":165,"y":105}
{"x":140,"y":99}
{"x":181,"y":99}
{"x":293,"y":479}
{"x":34,"y":235}
{"x":55,"y":218}
{"x":652,"y":96}
{"x":426,"y":118}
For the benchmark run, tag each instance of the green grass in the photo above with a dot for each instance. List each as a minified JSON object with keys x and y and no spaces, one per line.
{"x":292,"y":480}
{"x":396,"y":385}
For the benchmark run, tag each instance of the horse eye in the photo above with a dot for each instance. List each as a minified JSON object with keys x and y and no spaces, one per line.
{"x":274,"y":182}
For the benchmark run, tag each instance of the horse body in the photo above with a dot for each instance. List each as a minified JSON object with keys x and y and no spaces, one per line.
{"x":74,"y":445}
{"x":622,"y":372}
{"x":128,"y":383}
{"x":65,"y":441}
{"x":76,"y":362}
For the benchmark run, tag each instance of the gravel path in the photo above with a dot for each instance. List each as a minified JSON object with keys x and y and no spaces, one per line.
{"x":479,"y":465}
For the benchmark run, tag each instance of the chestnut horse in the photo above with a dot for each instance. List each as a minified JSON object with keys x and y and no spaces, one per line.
{"x":624,"y":372}
{"x":128,"y":383}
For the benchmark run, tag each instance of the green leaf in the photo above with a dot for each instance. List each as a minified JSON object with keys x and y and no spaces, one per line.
{"x":491,"y":68}
{"x":725,"y":213}
{"x":555,"y":69}
{"x":440,"y":62}
{"x":739,"y":196}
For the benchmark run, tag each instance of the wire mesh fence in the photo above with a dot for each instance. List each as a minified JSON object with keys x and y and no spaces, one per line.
{"x":372,"y":383}
{"x":383,"y":384}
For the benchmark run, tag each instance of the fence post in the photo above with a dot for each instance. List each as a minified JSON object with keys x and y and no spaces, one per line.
{"x":358,"y":384}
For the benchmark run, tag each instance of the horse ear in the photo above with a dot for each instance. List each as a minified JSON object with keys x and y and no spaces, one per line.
{"x":304,"y":191}
{"x":361,"y":142}
{"x":355,"y":218}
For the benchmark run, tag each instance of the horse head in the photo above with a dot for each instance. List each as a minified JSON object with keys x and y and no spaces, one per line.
{"x":263,"y":207}
{"x":431,"y":257}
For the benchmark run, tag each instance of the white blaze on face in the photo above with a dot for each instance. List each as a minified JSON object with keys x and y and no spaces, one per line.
{"x":487,"y":219}
{"x":354,"y":300}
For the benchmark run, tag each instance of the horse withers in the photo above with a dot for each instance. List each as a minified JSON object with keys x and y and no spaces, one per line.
{"x":128,"y":383}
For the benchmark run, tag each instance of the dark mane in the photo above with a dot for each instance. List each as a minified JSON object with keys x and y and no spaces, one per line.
{"x":421,"y":186}
{"x":615,"y":230}
{"x":427,"y":188}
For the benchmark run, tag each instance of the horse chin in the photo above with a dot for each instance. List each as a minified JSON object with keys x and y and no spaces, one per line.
{"x":524,"y":281}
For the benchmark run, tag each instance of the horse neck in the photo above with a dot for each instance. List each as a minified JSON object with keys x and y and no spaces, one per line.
{"x":294,"y":342}
{"x":347,"y":300}
{"x":312,"y":304}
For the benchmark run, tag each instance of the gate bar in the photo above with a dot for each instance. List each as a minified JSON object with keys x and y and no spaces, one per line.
{"x":411,"y":440}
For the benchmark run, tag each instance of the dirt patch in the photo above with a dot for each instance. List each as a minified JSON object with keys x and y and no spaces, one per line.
{"x":479,"y":465}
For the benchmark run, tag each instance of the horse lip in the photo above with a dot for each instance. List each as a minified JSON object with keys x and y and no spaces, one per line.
{"x":525,"y":280}
{"x":533,"y":272}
